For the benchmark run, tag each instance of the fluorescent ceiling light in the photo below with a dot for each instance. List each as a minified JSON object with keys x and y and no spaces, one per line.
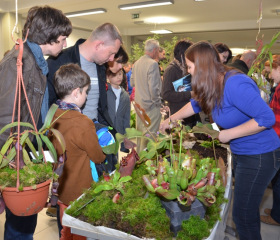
{"x":236,"y":51}
{"x":162,"y":31}
{"x":86,"y":12}
{"x":146,"y":4}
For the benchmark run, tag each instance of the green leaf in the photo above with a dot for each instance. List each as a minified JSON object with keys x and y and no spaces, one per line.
{"x":26,"y":157}
{"x":49,"y":117}
{"x":32,"y":148}
{"x":40,"y":144}
{"x":160,"y":145}
{"x":5,"y":148}
{"x":143,"y":154}
{"x":111,"y":149}
{"x":119,"y":137}
{"x":132,"y":132}
{"x":49,"y":146}
{"x":23,"y":137}
{"x":150,"y":154}
{"x":116,"y":177}
{"x":10,"y":157}
{"x":59,"y":138}
{"x":103,"y":187}
{"x":125,"y":179}
{"x":205,"y":129}
{"x":14,"y":124}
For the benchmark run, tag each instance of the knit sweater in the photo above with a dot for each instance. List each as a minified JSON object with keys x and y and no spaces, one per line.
{"x":241,"y":103}
{"x":81,"y":146}
{"x":275,"y":105}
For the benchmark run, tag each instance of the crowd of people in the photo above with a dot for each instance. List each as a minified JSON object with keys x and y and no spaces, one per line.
{"x":96,"y":82}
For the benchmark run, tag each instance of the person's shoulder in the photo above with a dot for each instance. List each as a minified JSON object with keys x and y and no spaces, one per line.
{"x":124,"y":92}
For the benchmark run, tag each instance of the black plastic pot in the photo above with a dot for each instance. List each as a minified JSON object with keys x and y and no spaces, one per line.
{"x":178,"y":212}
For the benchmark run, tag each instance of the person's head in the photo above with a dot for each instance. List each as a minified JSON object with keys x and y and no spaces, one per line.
{"x":105,"y":43}
{"x":274,"y":73}
{"x":120,"y":58}
{"x":203,"y":63}
{"x":248,"y":57}
{"x":161,"y":54}
{"x":71,"y":82}
{"x":47,"y":27}
{"x":127,"y":67}
{"x":152,"y":48}
{"x":115,"y":78}
{"x":180,"y":49}
{"x":238,"y":56}
{"x":224,"y":52}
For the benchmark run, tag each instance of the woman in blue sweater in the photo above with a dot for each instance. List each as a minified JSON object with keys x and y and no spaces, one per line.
{"x":235,"y":103}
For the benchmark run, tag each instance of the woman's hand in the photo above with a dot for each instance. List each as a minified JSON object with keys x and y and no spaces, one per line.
{"x":164,"y":125}
{"x":224,"y":137}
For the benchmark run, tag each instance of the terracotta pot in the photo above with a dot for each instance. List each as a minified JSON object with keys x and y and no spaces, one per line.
{"x":27,"y":202}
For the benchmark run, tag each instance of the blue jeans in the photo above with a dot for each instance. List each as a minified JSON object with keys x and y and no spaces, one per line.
{"x":19,"y":228}
{"x":253,"y":173}
{"x":275,"y":211}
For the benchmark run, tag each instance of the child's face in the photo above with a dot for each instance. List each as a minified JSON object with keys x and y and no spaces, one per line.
{"x":116,"y":79}
{"x":82,"y":96}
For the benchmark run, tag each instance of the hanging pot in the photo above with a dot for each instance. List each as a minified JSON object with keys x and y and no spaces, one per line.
{"x":27,"y":202}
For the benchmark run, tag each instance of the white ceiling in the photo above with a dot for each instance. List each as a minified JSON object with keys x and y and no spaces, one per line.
{"x":233,"y":22}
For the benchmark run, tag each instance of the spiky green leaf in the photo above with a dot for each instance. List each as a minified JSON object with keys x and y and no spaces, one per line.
{"x":49,"y":117}
{"x":59,"y":138}
{"x":49,"y":146}
{"x":14,"y":124}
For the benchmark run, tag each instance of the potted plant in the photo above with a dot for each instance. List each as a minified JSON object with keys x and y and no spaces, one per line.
{"x":24,"y":182}
{"x":138,"y":212}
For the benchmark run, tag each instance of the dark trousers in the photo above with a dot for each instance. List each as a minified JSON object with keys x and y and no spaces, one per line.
{"x":253,"y":173}
{"x":19,"y":228}
{"x":275,"y":211}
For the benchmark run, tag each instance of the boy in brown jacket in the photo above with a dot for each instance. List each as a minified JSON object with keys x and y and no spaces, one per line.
{"x":71,"y":85}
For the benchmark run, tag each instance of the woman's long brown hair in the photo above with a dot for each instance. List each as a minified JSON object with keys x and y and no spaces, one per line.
{"x":207,"y":79}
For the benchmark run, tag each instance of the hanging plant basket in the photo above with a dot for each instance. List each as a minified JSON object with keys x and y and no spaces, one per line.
{"x":27,"y":202}
{"x":25,"y":180}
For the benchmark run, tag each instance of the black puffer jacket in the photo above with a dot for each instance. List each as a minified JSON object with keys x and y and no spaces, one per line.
{"x":35,"y":84}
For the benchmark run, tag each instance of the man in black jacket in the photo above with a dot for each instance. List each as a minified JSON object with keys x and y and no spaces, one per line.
{"x":101,"y":47}
{"x":245,"y":62}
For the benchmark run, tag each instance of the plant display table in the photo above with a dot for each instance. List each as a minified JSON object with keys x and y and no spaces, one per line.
{"x":103,"y":233}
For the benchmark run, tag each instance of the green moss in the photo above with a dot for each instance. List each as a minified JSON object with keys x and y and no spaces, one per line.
{"x":194,"y":229}
{"x":141,"y":214}
{"x":31,"y":174}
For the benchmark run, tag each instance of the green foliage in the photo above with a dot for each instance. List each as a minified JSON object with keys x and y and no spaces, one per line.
{"x":193,"y":229}
{"x":115,"y":182}
{"x":138,"y":49}
{"x":134,"y":213}
{"x":258,"y":65}
{"x":30,"y":175}
{"x":8,"y":151}
{"x":209,"y":144}
{"x":132,"y":119}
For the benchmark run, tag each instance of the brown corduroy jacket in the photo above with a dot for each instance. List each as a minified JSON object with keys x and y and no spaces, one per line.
{"x":81,"y":147}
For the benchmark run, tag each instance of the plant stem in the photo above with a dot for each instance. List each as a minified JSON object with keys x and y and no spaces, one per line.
{"x":181,"y":137}
{"x":170,"y":147}
{"x":214,"y":152}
